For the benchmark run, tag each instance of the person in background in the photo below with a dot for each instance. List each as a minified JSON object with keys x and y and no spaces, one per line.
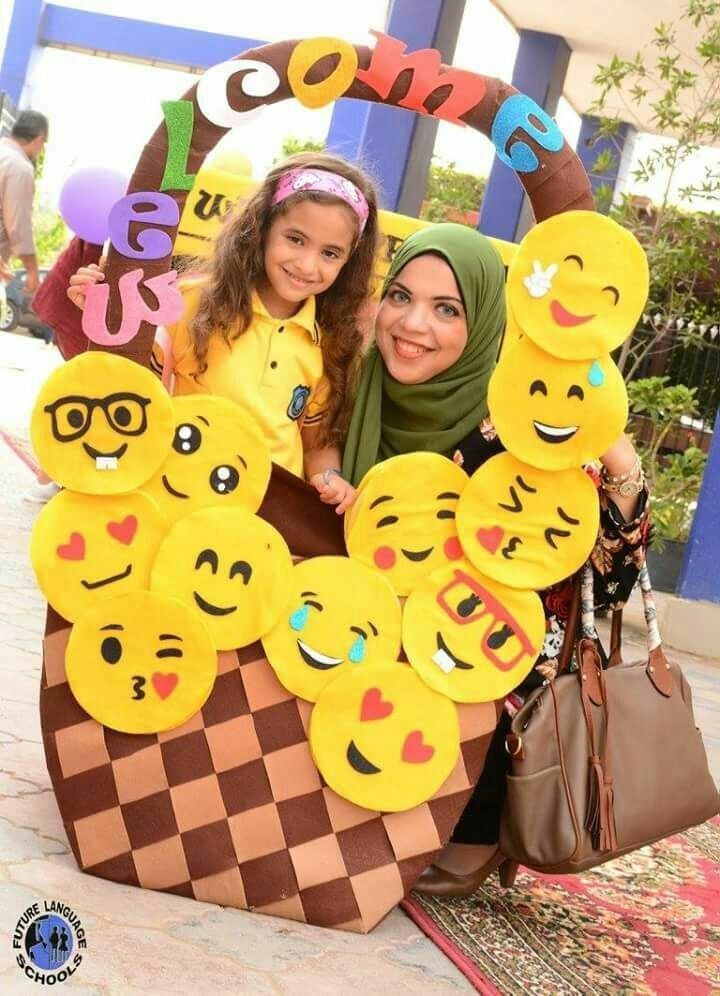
{"x":18,"y":155}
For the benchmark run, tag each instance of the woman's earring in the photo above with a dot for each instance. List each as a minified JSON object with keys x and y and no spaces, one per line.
{"x":299,"y":618}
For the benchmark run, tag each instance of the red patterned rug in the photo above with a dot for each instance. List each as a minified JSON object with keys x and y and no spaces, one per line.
{"x":648,"y":923}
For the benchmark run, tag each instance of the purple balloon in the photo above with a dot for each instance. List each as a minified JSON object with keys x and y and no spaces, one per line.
{"x":86,"y":199}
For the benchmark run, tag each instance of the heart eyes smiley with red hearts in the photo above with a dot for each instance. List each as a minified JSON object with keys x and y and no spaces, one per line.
{"x":414,"y":749}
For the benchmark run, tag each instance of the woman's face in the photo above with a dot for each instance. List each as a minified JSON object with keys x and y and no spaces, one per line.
{"x":421,"y":328}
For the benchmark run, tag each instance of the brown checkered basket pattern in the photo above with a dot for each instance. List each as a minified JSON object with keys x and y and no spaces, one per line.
{"x":230,"y":808}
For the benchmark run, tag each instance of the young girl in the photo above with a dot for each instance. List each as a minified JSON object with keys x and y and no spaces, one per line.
{"x":271,"y":316}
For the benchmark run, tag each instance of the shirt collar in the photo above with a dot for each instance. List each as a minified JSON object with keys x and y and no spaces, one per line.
{"x":305,"y":318}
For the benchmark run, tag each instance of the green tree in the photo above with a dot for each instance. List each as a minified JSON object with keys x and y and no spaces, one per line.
{"x":451,"y":194}
{"x":291,"y":146}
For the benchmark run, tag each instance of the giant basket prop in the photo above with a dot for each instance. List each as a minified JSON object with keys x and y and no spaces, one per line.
{"x":229,"y":808}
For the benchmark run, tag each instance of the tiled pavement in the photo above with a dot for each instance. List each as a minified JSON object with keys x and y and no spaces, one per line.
{"x":142,"y":942}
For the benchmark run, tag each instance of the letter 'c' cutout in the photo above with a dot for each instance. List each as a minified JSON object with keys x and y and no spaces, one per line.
{"x":211,"y":91}
{"x":304,"y":57}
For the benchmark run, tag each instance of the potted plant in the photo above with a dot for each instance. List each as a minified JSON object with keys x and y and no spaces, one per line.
{"x":674,"y":477}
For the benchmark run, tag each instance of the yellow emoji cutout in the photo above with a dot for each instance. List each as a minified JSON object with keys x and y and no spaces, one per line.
{"x":382,"y":739}
{"x":553,"y":413}
{"x":578,"y":284}
{"x":403,"y":520}
{"x":218,"y":457}
{"x":230,"y":567}
{"x":101,"y":424}
{"x":524,"y":527}
{"x":140,"y":662}
{"x":87,"y":548}
{"x":469,"y":637}
{"x":342,"y":615}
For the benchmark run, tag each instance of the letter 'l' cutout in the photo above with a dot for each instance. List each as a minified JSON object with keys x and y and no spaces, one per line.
{"x":179,"y":119}
{"x":134,"y":310}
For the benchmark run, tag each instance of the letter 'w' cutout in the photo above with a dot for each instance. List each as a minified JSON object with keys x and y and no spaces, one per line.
{"x":134,"y":310}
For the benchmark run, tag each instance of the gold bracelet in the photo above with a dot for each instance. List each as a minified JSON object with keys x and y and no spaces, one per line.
{"x":626,"y":488}
{"x":634,"y":471}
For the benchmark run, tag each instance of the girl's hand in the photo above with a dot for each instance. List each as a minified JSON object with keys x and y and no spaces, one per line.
{"x":85,"y":277}
{"x":334,"y":490}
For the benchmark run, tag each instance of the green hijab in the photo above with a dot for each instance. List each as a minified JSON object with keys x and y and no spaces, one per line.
{"x":389,"y":418}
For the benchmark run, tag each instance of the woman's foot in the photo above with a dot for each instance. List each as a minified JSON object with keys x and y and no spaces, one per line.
{"x":439,"y":881}
{"x":464,"y":859}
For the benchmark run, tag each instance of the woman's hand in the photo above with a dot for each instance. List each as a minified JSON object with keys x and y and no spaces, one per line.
{"x":85,"y":277}
{"x":334,"y":490}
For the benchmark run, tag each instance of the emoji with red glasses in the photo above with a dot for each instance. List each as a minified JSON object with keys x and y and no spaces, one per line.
{"x":382,"y":738}
{"x":577,"y":285}
{"x":552,"y":413}
{"x":87,"y":548}
{"x":403,"y":519}
{"x":140,"y":662}
{"x":101,"y":424}
{"x":469,"y":637}
{"x":524,"y":527}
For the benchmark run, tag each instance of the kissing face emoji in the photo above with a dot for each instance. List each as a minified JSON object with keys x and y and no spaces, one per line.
{"x":101,"y":424}
{"x":556,"y":414}
{"x":403,"y":520}
{"x":469,"y":637}
{"x":524,"y":527}
{"x":140,"y":662}
{"x":218,"y":458}
{"x":230,"y":567}
{"x":577,"y":284}
{"x":86,"y":548}
{"x":382,"y":739}
{"x":343,"y":615}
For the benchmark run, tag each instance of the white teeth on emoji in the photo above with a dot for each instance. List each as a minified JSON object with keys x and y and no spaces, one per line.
{"x":443,"y":660}
{"x":106,"y":463}
{"x":539,"y":282}
{"x":322,"y":660}
{"x":556,"y":433}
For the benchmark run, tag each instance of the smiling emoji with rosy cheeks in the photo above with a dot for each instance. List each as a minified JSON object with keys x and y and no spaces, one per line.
{"x":524,"y":527}
{"x":87,"y":548}
{"x":343,"y":616}
{"x":555,"y":414}
{"x":101,"y":425}
{"x":232,"y":568}
{"x":218,"y":458}
{"x":382,"y":739}
{"x":140,"y":663}
{"x":578,"y":284}
{"x":471,"y":638}
{"x":403,"y":519}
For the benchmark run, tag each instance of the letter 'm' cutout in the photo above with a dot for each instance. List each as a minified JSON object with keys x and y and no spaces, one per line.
{"x":516,"y":113}
{"x":134,"y":310}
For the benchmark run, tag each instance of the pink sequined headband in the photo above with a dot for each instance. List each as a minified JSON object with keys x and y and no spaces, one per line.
{"x":322,"y":180}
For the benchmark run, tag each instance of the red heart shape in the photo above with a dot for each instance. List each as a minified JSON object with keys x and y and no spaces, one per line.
{"x":414,"y":750}
{"x":373,"y":706}
{"x":123,"y":531}
{"x":74,"y":549}
{"x":164,"y":684}
{"x":490,"y":538}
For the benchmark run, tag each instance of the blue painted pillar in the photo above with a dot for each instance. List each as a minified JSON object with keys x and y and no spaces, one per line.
{"x":590,"y":146}
{"x":22,"y":37}
{"x":539,"y":72}
{"x":700,"y":577}
{"x":397,"y":144}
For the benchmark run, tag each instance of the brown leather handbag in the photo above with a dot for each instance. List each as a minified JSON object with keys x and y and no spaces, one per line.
{"x":604,"y":761}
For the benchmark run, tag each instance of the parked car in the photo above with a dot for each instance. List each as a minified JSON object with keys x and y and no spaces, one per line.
{"x":19,"y":311}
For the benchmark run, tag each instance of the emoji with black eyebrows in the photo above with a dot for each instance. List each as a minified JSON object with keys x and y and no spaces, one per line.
{"x":218,"y":458}
{"x":555,"y":414}
{"x":525,"y":527}
{"x":140,"y":662}
{"x":403,"y":520}
{"x":230,"y":567}
{"x":342,"y":615}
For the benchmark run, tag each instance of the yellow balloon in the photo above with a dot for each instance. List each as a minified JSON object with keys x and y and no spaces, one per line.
{"x":87,"y":548}
{"x":577,"y":284}
{"x":471,"y":638}
{"x":101,"y":424}
{"x":342,"y":616}
{"x":219,"y":457}
{"x":553,"y":413}
{"x":382,"y":739}
{"x":524,"y":527}
{"x":403,"y":520}
{"x":140,"y":662}
{"x":230,"y":567}
{"x":231,"y":161}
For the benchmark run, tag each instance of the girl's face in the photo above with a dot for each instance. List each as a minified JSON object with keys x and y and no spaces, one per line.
{"x":421,"y":328}
{"x":305,"y":249}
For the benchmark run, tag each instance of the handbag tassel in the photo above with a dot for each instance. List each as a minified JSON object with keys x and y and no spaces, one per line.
{"x":600,"y":819}
{"x":608,"y":834}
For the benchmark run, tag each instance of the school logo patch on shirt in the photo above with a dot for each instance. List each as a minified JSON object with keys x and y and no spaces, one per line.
{"x":299,"y":399}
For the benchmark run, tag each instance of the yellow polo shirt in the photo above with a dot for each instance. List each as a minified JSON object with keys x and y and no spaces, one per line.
{"x":274,"y":369}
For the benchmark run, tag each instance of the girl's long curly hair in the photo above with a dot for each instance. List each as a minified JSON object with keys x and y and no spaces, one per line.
{"x":236,"y":267}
